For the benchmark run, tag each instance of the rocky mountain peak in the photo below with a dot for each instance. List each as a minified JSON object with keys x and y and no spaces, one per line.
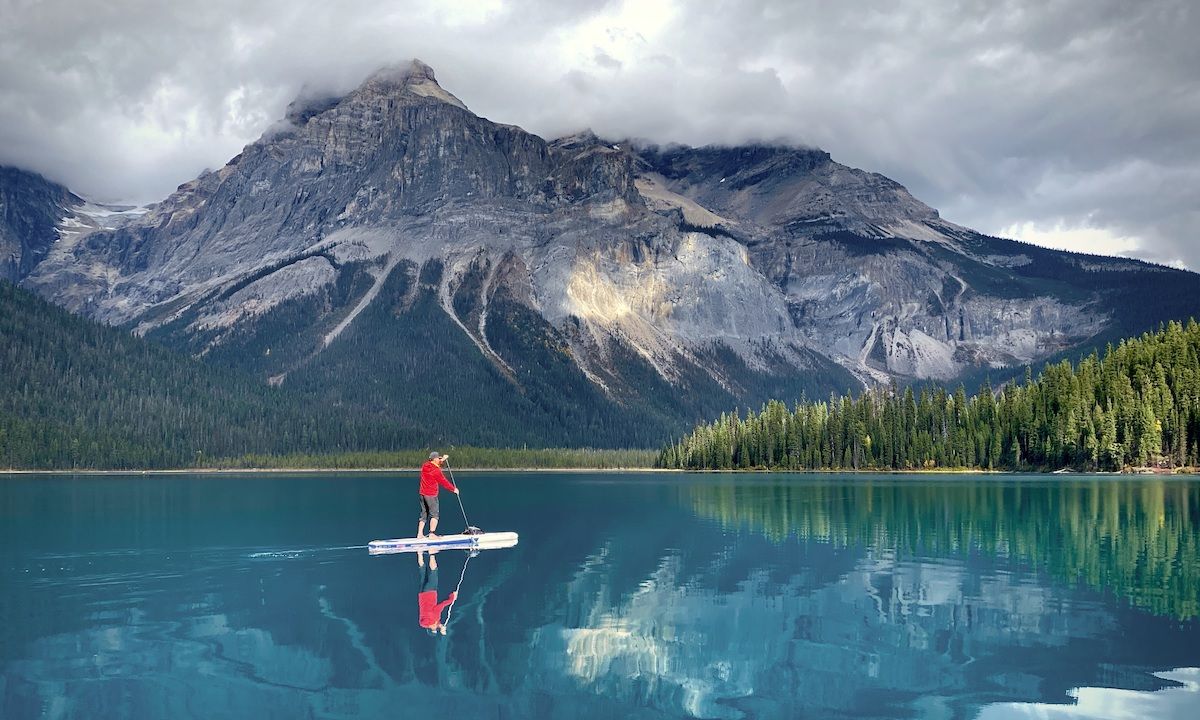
{"x":577,"y":141}
{"x":414,"y":77}
{"x":418,"y":71}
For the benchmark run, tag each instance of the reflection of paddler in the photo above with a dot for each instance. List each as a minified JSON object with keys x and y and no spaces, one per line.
{"x":429,"y":610}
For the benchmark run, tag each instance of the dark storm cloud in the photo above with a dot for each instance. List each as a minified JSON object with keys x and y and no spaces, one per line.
{"x":1072,"y":121}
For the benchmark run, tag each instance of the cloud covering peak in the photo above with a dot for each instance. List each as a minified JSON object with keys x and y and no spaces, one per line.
{"x":1070,"y":124}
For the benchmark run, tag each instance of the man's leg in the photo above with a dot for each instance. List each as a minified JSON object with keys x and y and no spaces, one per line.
{"x":435,"y":512}
{"x":428,"y":574}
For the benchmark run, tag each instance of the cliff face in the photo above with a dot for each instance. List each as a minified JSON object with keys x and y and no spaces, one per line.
{"x":31,"y":210}
{"x":673,"y":281}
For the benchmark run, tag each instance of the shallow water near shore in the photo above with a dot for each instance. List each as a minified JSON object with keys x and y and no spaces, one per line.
{"x":634,"y":595}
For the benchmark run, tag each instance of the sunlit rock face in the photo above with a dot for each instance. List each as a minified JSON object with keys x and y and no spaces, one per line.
{"x":867,"y":271}
{"x":699,"y":265}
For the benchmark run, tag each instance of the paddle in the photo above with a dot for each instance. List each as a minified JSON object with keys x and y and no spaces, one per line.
{"x":471,"y":529}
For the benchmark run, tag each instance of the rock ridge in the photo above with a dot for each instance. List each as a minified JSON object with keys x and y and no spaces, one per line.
{"x":660,"y":278}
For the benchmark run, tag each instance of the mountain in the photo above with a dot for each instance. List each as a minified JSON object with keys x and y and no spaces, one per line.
{"x":391,"y":251}
{"x":31,"y":210}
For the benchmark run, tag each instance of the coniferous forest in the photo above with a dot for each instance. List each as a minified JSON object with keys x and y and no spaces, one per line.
{"x":78,"y":394}
{"x":1137,"y":406}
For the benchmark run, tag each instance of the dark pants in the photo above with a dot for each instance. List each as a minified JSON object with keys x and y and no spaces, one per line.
{"x":428,"y":577}
{"x":429,"y":507}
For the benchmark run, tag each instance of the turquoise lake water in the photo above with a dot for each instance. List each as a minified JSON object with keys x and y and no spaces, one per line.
{"x":628,"y":596}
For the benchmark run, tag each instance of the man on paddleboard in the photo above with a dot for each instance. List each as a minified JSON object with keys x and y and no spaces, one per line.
{"x":431,"y":478}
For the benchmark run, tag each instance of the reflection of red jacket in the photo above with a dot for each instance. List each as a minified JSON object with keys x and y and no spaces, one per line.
{"x":429,"y":610}
{"x":431,"y":477}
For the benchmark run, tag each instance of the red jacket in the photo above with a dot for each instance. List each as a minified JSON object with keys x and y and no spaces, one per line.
{"x":431,"y":477}
{"x":429,"y":610}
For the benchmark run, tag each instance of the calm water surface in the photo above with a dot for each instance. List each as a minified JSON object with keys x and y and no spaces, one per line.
{"x":629,"y":596}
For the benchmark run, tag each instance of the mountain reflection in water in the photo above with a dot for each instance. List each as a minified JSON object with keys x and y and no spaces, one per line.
{"x":642,"y":596}
{"x":892,"y":597}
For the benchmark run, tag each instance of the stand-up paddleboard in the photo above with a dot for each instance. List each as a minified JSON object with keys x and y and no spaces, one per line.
{"x":484,"y":541}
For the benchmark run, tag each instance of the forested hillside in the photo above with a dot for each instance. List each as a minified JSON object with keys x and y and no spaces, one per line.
{"x":74,"y":393}
{"x":1139,"y":405}
{"x":77,"y":394}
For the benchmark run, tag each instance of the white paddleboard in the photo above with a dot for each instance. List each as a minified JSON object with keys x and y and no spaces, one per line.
{"x":486,"y":541}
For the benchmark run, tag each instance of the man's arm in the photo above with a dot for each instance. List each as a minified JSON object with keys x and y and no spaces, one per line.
{"x":441,"y":477}
{"x":440,"y":606}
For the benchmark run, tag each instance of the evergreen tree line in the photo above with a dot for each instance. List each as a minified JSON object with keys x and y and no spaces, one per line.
{"x":77,"y":394}
{"x":463,"y":457}
{"x":74,"y":393}
{"x":1139,"y":405}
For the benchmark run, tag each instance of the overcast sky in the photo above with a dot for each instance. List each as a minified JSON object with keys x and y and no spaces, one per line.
{"x":1071,"y":123}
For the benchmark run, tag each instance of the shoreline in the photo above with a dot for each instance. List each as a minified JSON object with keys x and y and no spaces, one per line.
{"x":317,"y":471}
{"x":1186,"y":472}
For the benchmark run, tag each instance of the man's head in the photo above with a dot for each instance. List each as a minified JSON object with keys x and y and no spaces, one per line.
{"x":437,"y":458}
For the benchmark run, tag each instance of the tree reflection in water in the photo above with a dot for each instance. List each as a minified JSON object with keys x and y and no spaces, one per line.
{"x":1138,"y":539}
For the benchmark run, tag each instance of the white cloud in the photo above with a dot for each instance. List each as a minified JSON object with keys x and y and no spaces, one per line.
{"x":1097,"y":241}
{"x":1069,"y":117}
